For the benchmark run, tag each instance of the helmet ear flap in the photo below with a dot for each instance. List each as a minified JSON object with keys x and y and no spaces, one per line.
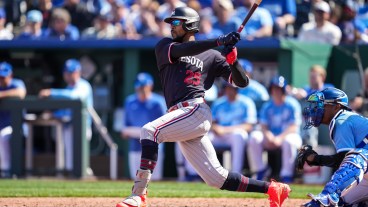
{"x":190,"y":27}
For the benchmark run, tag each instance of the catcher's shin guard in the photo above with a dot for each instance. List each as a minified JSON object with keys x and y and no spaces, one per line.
{"x":349,"y":174}
{"x":139,"y":191}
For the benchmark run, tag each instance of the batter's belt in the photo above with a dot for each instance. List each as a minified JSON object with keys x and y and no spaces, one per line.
{"x":190,"y":102}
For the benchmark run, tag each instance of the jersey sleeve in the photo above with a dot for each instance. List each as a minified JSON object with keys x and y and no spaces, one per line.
{"x":223,"y":68}
{"x":162,"y":51}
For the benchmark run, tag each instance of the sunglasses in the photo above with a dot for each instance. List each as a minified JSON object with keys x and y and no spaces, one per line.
{"x":176,"y":22}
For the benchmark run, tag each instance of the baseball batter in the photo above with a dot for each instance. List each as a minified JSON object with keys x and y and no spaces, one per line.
{"x":349,"y":133}
{"x":187,"y":68}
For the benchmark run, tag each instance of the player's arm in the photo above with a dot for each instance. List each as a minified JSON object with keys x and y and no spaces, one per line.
{"x":326,"y":160}
{"x":191,"y":48}
{"x":238,"y":75}
{"x":16,"y":92}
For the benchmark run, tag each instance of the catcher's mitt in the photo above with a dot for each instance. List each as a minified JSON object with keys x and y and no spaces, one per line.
{"x":303,"y":153}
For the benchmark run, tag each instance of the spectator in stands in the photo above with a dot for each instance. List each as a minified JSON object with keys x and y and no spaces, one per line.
{"x":280,"y":120}
{"x":143,"y":16}
{"x":226,"y":20}
{"x":81,"y":17}
{"x":120,"y":12}
{"x":33,"y":27}
{"x":261,"y":23}
{"x":195,"y":4}
{"x":359,"y":103}
{"x":321,"y":30}
{"x":283,"y":14}
{"x":102,"y":29}
{"x":46,"y":8}
{"x":206,"y":30}
{"x":255,"y":91}
{"x":9,"y":87}
{"x":77,"y":89}
{"x":140,"y":108}
{"x":60,"y":27}
{"x":233,"y":118}
{"x":353,"y":29}
{"x":164,"y":11}
{"x":5,"y":33}
{"x":317,"y":78}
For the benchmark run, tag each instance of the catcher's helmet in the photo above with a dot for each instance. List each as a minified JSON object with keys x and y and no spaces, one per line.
{"x":190,"y":17}
{"x":278,"y":81}
{"x":313,"y":114}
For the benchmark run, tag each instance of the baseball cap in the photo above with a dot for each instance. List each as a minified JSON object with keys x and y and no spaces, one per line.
{"x":2,"y":13}
{"x":322,"y":6}
{"x":34,"y":16}
{"x":248,"y":66}
{"x":143,"y":79}
{"x":72,"y":65}
{"x":5,"y":69}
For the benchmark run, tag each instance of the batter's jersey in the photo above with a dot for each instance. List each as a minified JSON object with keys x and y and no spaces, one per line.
{"x":240,"y":111}
{"x":5,"y":115}
{"x":347,"y":130}
{"x":279,"y":117}
{"x":188,"y":77}
{"x":138,"y":113}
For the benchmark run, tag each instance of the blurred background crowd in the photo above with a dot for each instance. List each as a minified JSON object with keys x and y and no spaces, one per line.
{"x":338,"y":21}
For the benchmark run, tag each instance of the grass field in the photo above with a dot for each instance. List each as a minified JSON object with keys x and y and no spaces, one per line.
{"x":68,"y":188}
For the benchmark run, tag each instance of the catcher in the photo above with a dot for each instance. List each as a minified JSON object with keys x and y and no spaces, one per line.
{"x":349,"y":134}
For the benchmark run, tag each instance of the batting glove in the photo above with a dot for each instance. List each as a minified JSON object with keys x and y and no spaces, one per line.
{"x":231,"y":53}
{"x":229,"y":39}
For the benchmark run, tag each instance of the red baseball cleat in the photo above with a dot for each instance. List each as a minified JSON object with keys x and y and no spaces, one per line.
{"x":278,"y":193}
{"x":133,"y":201}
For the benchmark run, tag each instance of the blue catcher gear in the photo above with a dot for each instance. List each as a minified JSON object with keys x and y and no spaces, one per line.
{"x":314,"y":113}
{"x":349,"y":175}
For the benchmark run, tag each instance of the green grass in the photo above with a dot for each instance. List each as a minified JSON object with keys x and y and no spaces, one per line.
{"x":63,"y":188}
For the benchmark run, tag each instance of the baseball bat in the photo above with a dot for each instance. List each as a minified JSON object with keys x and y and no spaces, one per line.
{"x":250,"y":13}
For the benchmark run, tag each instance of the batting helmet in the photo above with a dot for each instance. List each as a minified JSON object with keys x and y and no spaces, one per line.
{"x":313,"y":114}
{"x":190,"y":17}
{"x":278,"y":81}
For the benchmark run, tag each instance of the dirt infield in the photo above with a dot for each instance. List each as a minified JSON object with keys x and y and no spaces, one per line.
{"x":154,"y":202}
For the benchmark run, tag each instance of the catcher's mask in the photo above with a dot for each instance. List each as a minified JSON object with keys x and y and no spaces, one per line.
{"x":313,"y":114}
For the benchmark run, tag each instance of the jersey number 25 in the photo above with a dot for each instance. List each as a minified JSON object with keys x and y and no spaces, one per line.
{"x":192,"y":78}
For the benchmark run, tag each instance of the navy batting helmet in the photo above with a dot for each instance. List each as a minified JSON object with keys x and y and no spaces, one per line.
{"x":278,"y":81}
{"x":190,"y":17}
{"x":313,"y":114}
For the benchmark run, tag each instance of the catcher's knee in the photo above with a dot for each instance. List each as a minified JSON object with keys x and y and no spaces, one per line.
{"x":350,"y":172}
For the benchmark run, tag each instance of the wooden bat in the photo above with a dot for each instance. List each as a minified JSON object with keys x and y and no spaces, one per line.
{"x":250,"y":13}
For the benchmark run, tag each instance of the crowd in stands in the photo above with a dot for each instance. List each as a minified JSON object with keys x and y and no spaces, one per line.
{"x":332,"y":22}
